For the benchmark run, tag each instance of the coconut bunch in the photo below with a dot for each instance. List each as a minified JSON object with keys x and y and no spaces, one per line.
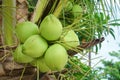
{"x":44,"y":47}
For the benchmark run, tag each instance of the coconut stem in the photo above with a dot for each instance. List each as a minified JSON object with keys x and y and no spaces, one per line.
{"x":40,"y":7}
{"x":59,"y":8}
{"x":38,"y":73}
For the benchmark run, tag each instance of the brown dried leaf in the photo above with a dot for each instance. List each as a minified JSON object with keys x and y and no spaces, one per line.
{"x":47,"y":77}
{"x":21,"y":1}
{"x":25,"y":77}
{"x":9,"y":64}
{"x":2,"y":72}
{"x":22,"y":12}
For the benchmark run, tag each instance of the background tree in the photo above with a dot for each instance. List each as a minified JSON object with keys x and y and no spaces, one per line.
{"x":109,"y":71}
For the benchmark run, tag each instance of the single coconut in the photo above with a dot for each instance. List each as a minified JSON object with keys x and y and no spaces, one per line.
{"x":20,"y":57}
{"x":69,"y":39}
{"x":35,"y":46}
{"x":51,"y":28}
{"x":56,"y":57}
{"x":68,"y":6}
{"x":40,"y":64}
{"x":26,"y":29}
{"x":77,"y":10}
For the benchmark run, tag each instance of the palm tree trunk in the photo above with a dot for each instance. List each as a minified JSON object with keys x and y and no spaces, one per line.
{"x":8,"y":20}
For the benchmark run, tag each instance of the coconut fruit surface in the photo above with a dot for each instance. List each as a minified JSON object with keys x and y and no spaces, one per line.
{"x":56,"y":57}
{"x":26,"y":29}
{"x":35,"y":46}
{"x":40,"y":64}
{"x":20,"y":57}
{"x":50,"y":28}
{"x":76,"y":10}
{"x":70,"y":39}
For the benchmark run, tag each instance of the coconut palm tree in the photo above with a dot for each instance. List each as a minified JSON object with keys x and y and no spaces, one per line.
{"x":90,"y":19}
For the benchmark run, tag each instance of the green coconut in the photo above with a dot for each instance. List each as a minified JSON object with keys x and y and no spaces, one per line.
{"x":68,"y":6}
{"x":35,"y":46}
{"x":26,"y":29}
{"x":40,"y":64}
{"x":70,"y":39}
{"x":56,"y":57}
{"x":50,"y":28}
{"x":20,"y":57}
{"x":77,"y":10}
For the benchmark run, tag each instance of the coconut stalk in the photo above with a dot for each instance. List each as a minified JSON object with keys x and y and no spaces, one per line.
{"x":8,"y":20}
{"x":59,"y":7}
{"x":40,"y":7}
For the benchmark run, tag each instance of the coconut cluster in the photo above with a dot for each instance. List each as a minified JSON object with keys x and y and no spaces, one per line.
{"x":44,"y":47}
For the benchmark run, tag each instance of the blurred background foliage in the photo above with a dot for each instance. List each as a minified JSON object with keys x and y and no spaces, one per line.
{"x":109,"y":71}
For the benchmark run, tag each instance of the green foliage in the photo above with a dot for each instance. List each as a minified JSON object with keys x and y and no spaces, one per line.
{"x":31,"y":5}
{"x":93,"y":22}
{"x":115,"y":54}
{"x":76,"y":69}
{"x":110,"y":71}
